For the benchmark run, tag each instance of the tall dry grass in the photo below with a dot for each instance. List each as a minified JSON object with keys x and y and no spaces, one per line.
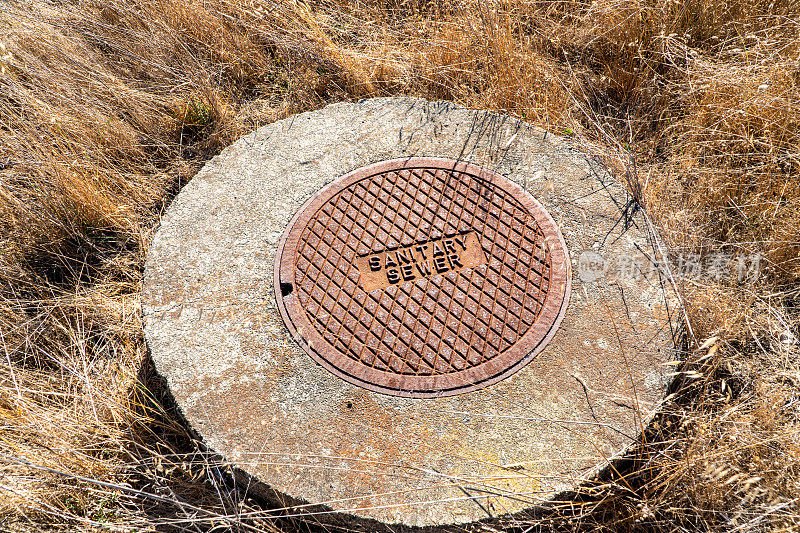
{"x":108,"y":107}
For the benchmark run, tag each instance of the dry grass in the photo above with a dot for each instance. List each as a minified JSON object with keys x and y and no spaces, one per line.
{"x":108,"y":107}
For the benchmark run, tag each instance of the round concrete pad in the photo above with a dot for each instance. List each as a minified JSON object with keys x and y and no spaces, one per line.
{"x":257,"y":399}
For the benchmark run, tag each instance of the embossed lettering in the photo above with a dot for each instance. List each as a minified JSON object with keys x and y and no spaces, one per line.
{"x":420,"y":260}
{"x":403,"y":257}
{"x":440,"y":264}
{"x":423,"y":268}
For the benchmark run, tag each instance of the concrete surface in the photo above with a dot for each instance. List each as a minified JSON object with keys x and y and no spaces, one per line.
{"x":258,"y":400}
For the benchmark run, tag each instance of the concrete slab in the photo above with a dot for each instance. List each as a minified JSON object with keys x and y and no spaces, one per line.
{"x":261,"y":400}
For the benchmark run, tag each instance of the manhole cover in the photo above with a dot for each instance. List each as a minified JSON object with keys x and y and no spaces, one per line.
{"x":422,"y":277}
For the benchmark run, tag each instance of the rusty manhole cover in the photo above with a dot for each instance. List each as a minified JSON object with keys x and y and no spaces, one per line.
{"x":422,"y":277}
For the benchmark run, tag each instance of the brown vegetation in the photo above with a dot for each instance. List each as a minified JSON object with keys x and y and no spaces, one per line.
{"x":108,"y":107}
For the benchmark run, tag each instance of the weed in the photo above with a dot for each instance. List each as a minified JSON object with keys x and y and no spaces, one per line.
{"x":108,"y":107}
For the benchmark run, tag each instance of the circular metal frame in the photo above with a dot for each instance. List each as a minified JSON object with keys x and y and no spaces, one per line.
{"x":395,"y":382}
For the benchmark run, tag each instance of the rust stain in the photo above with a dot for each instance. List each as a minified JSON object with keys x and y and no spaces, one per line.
{"x":422,"y":277}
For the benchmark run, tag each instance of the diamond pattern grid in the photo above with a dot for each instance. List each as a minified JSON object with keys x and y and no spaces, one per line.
{"x":439,"y":325}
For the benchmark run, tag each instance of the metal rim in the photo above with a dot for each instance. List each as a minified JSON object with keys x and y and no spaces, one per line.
{"x":499,"y":367}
